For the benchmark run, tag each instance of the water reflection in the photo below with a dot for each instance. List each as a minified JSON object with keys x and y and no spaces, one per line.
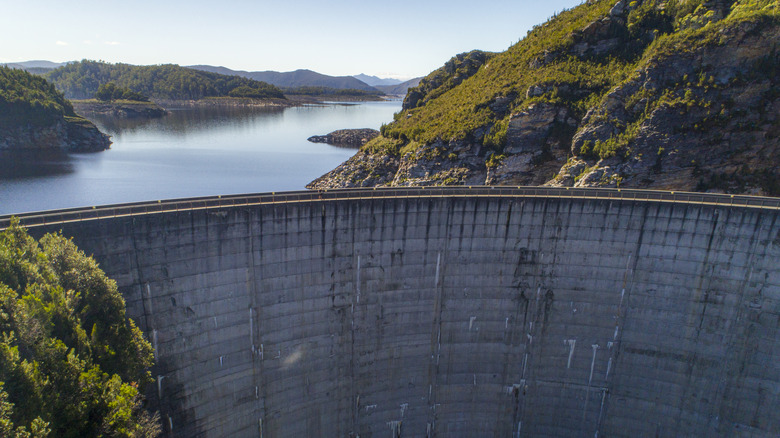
{"x":190,"y":152}
{"x":31,"y":164}
{"x":182,"y":121}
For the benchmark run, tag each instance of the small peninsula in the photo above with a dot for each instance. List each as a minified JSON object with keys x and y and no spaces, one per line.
{"x":113,"y":100}
{"x":34,"y":116}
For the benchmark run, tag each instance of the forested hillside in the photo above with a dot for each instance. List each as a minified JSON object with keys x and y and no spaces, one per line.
{"x":80,"y":80}
{"x":34,"y":115}
{"x":294,"y":79}
{"x":71,"y":363}
{"x":672,"y":94}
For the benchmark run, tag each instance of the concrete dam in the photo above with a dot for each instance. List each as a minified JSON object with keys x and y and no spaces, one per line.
{"x":450,"y":312}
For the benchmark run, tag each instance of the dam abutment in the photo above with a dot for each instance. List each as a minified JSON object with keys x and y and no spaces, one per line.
{"x":397,"y":314}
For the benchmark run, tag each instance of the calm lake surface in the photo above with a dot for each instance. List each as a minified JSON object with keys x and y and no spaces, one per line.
{"x":191,"y":152}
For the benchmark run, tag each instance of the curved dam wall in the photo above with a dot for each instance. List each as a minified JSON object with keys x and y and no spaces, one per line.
{"x":454,"y":316}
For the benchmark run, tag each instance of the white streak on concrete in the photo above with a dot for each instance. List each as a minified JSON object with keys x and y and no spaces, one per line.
{"x":251,"y":330}
{"x":149,"y":295}
{"x":170,"y":422}
{"x":220,"y":360}
{"x":601,"y":411}
{"x":395,"y":428}
{"x":154,"y":343}
{"x":570,"y":343}
{"x":357,"y":283}
{"x":471,"y":322}
{"x":525,"y":362}
{"x":215,"y":322}
{"x":159,"y":386}
{"x":506,"y":323}
{"x":438,"y":267}
{"x":404,"y":406}
{"x":593,"y":362}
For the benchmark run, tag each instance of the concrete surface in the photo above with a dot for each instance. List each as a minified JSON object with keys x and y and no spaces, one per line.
{"x":455,"y":317}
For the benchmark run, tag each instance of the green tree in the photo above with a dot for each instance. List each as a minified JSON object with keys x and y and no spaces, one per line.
{"x":110,"y":91}
{"x":81,"y":80}
{"x":70,"y":360}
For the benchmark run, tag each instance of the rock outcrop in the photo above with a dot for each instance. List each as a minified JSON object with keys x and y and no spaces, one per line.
{"x":353,"y":138}
{"x":141,"y":110}
{"x":72,"y":134}
{"x":682,"y":99}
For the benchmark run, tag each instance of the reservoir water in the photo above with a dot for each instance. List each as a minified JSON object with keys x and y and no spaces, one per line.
{"x":190,"y":152}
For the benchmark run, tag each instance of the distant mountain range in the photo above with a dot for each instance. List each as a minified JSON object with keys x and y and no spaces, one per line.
{"x":35,"y":64}
{"x":374,"y":81}
{"x":293,"y":79}
{"x":399,"y":89}
{"x":35,"y":67}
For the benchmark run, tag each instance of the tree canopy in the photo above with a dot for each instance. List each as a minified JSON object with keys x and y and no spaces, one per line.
{"x":26,"y":98}
{"x":110,"y":91}
{"x":81,"y":80}
{"x":71,"y":363}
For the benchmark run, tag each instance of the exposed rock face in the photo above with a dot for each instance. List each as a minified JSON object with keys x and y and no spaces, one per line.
{"x":69,"y":135}
{"x":123,"y":111}
{"x":699,"y":114}
{"x":362,"y":170}
{"x":718,"y":122}
{"x":353,"y":138}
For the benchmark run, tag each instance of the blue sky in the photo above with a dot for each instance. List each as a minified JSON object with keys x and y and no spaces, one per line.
{"x":390,"y":39}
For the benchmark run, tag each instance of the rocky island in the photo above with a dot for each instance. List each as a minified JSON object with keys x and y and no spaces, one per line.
{"x":353,"y":138}
{"x":640,"y":94}
{"x":34,"y":116}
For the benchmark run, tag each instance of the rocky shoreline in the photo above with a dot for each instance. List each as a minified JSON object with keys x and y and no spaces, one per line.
{"x":352,"y":138}
{"x":125,"y":110}
{"x":72,"y":134}
{"x":227,"y":101}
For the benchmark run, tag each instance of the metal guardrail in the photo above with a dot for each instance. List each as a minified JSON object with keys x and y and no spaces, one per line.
{"x":54,"y":217}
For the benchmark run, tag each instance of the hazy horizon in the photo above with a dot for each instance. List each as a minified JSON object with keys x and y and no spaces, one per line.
{"x":402,"y":40}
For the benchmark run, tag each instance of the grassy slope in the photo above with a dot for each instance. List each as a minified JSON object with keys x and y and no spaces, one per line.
{"x":464,"y":111}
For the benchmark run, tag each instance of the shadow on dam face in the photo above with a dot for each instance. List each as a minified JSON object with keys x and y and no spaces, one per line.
{"x":454,"y":316}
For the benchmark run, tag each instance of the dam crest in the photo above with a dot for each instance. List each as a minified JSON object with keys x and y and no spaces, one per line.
{"x":450,"y":312}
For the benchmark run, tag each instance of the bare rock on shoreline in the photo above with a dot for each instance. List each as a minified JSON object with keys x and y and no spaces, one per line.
{"x":127,"y":110}
{"x":354,"y":138}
